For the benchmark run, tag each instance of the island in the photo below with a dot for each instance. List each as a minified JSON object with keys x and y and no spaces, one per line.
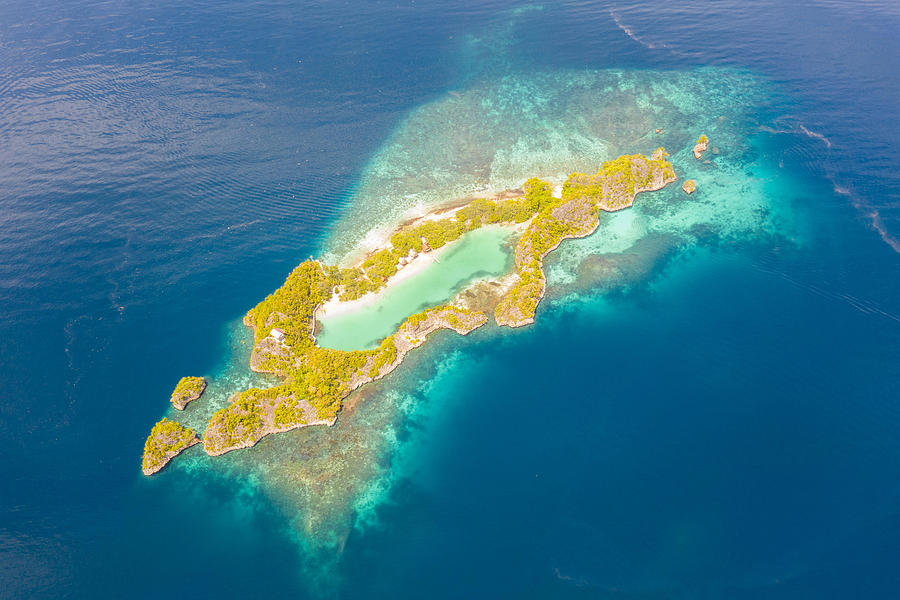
{"x":689,"y":186}
{"x":701,"y":146}
{"x":187,"y":390}
{"x":167,"y":440}
{"x":315,"y":380}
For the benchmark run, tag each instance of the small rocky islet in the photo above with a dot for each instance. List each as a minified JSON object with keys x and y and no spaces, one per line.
{"x":166,"y":441}
{"x":187,"y":390}
{"x":701,"y":146}
{"x":317,"y":379}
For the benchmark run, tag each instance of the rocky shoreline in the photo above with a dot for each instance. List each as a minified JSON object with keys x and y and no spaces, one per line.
{"x":216,"y":438}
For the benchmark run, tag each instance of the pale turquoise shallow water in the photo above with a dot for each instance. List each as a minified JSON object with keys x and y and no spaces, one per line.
{"x":479,"y":254}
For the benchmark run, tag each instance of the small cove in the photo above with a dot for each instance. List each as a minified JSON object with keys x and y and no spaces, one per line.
{"x":479,"y":254}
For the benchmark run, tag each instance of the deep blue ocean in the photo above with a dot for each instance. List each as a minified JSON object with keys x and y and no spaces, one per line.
{"x":707,"y":407}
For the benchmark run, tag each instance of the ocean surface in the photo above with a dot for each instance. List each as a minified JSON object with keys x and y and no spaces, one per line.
{"x":708,"y":405}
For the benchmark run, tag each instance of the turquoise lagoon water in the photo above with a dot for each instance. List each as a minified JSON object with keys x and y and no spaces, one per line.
{"x":477,"y":255}
{"x":705,"y":406}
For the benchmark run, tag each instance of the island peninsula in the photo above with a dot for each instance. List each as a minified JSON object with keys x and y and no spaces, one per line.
{"x":317,"y":379}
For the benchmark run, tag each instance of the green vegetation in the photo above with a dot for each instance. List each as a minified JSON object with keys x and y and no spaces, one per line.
{"x":166,"y":440}
{"x":244,"y":417}
{"x":385,"y":355}
{"x":291,"y":306}
{"x":703,"y":139}
{"x":288,"y":414}
{"x":354,"y":283}
{"x":689,"y":186}
{"x":189,"y":388}
{"x":380,"y":266}
{"x":614,"y":186}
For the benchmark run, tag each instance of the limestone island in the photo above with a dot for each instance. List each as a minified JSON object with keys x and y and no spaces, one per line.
{"x":187,"y":390}
{"x":317,"y":379}
{"x":701,"y":146}
{"x":167,"y":440}
{"x":689,"y":186}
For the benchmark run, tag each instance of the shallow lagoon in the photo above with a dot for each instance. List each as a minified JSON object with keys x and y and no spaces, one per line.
{"x":479,"y":254}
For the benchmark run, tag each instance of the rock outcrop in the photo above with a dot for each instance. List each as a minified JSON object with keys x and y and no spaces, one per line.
{"x":689,"y":186}
{"x":167,"y":440}
{"x":701,"y":146}
{"x":187,"y":390}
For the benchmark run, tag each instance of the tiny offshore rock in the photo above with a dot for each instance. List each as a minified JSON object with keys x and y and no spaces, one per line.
{"x":701,"y":146}
{"x":689,"y":186}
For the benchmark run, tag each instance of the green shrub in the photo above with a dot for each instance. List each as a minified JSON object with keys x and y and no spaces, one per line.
{"x":188,"y":386}
{"x":380,"y":266}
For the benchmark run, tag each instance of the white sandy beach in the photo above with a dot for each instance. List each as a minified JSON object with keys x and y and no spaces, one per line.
{"x":335,"y":306}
